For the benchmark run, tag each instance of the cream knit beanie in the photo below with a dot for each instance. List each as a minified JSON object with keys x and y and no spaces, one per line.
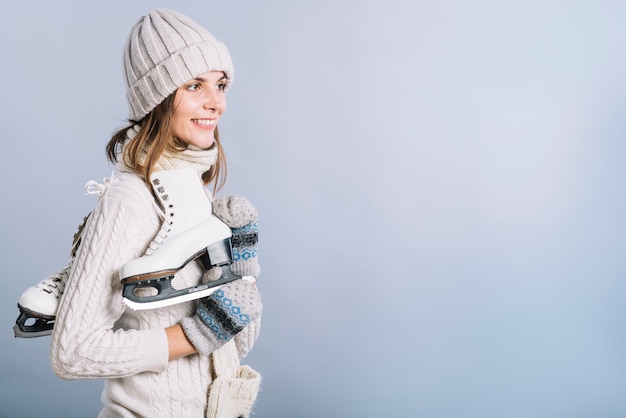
{"x":164,"y":50}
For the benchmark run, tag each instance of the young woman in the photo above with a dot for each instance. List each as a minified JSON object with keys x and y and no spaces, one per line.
{"x":157,"y":362}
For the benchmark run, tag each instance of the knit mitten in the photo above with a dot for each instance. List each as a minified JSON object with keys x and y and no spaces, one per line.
{"x":239,"y":214}
{"x":222,"y":315}
{"x":225,"y":312}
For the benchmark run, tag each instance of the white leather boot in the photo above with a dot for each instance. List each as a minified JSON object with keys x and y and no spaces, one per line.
{"x":190,"y":231}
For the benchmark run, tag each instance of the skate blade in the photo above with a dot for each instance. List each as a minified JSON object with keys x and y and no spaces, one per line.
{"x":30,"y":334}
{"x":162,"y":303}
{"x":30,"y":324}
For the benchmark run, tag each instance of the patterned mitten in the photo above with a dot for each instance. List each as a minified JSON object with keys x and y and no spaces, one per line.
{"x":221,"y":315}
{"x":225,"y":312}
{"x":239,"y":214}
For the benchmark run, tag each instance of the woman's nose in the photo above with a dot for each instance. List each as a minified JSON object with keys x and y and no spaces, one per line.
{"x":212,"y":99}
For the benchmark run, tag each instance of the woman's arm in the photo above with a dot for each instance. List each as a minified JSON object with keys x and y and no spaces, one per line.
{"x":86,"y":342}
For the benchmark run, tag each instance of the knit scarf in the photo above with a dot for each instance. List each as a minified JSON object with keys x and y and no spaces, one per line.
{"x":193,"y":157}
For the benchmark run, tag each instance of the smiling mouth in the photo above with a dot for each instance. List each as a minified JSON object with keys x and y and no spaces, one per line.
{"x":204,"y":122}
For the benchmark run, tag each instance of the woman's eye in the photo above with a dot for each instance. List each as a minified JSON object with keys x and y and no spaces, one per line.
{"x":193,"y":87}
{"x":221,"y":86}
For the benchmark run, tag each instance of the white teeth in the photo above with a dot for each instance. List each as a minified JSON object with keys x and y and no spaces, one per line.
{"x":206,"y":122}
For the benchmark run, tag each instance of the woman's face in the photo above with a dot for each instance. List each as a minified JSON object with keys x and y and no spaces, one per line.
{"x":198,"y":106}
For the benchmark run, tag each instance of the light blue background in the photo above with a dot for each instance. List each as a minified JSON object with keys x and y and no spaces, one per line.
{"x":441,"y":188}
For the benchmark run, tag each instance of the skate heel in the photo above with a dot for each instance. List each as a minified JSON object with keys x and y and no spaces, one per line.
{"x":218,"y":254}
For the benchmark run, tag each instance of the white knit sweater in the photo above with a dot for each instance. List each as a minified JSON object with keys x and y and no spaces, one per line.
{"x":97,"y":336}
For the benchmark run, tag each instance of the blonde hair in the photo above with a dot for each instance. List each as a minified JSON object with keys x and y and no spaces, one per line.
{"x":154,"y":137}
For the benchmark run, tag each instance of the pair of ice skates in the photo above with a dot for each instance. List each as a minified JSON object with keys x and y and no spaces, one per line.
{"x":189,"y":231}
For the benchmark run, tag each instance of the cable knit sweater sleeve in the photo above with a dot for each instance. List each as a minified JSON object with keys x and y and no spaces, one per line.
{"x":86,"y":342}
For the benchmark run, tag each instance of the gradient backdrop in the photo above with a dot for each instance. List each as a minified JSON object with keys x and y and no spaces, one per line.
{"x":441,"y":188}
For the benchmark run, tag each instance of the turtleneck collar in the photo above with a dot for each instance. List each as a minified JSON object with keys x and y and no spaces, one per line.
{"x":193,"y":157}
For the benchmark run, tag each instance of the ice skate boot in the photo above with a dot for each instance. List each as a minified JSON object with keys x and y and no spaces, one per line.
{"x":189,"y":231}
{"x":38,"y":304}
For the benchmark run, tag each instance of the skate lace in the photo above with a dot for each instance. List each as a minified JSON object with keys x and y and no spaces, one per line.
{"x":55,"y":284}
{"x":166,"y":227}
{"x":93,"y":187}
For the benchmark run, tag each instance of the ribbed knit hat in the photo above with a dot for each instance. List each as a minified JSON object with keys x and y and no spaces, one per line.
{"x":164,"y":50}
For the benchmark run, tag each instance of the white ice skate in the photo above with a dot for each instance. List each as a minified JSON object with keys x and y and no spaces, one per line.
{"x":38,"y":304}
{"x":189,"y":231}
